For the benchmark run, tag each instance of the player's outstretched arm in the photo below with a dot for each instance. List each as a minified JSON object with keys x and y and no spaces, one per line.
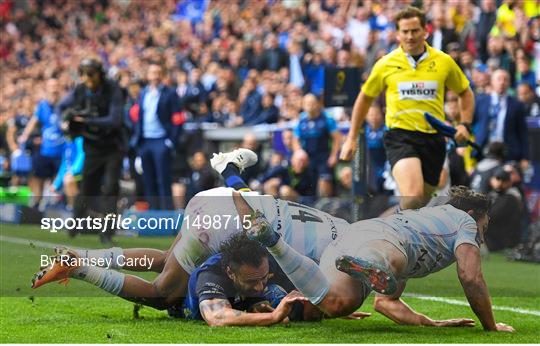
{"x":219,"y":313}
{"x":398,"y":311}
{"x":472,"y":280}
{"x":360,"y":109}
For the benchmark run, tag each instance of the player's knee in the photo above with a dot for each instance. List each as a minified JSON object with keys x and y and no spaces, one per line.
{"x":164,"y":286}
{"x":159,"y":261}
{"x":340,"y":306}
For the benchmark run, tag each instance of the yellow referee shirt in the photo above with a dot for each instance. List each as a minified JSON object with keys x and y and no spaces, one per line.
{"x":414,"y":87}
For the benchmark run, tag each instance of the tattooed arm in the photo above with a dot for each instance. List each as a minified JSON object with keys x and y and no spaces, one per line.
{"x":219,"y":312}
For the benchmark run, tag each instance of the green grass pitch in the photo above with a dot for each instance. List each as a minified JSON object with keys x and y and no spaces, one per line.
{"x":80,"y":313}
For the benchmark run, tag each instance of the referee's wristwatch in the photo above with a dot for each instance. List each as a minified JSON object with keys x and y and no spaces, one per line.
{"x":467,"y":126}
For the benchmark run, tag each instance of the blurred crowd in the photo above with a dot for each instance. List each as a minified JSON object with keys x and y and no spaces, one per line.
{"x":245,"y":63}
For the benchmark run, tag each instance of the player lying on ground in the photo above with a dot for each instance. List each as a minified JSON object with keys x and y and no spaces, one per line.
{"x":244,"y":277}
{"x":307,"y":230}
{"x":382,"y":254}
{"x":242,"y":286}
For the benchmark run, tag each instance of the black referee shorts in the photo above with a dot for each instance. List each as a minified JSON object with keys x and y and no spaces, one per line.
{"x":429,"y":148}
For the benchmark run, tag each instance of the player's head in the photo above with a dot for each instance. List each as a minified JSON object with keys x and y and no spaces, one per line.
{"x":475,"y":204}
{"x":91,"y":72}
{"x":411,"y":29}
{"x":245,"y":262}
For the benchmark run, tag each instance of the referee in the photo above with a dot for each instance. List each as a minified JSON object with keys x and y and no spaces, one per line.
{"x":414,"y":76}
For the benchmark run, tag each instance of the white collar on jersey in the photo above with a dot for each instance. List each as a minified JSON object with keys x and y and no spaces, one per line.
{"x":415,"y":63}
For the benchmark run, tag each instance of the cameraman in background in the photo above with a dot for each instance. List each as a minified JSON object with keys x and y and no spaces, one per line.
{"x":93,"y":110}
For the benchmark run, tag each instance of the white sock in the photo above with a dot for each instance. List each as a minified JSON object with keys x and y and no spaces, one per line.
{"x":305,"y":274}
{"x":106,"y":279}
{"x":110,"y":255}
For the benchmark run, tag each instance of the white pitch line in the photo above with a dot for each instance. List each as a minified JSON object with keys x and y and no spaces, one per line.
{"x":464,"y":303}
{"x":47,"y":245}
{"x":24,"y":241}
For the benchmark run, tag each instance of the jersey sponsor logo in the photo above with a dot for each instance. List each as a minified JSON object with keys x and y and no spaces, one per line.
{"x":418,"y":90}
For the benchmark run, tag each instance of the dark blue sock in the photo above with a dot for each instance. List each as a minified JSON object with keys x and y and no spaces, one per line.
{"x":231,"y":174}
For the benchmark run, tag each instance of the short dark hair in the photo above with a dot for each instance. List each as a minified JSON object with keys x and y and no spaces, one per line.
{"x":91,"y":64}
{"x":463,"y":198}
{"x":497,"y":150}
{"x":411,"y":12}
{"x":239,"y":250}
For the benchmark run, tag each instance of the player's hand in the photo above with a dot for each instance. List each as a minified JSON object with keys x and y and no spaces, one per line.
{"x":262,"y":307}
{"x":347,"y":150}
{"x":358,"y":315}
{"x":455,"y":322}
{"x":501,"y":327}
{"x":462,"y":134}
{"x":332,"y":161}
{"x":285,"y":306}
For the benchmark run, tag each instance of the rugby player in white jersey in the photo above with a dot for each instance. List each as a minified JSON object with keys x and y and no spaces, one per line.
{"x":382,"y":254}
{"x":306,"y":229}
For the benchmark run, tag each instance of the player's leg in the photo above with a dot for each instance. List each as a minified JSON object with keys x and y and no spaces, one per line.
{"x":230,"y":165}
{"x":377,"y":263}
{"x":163,"y":292}
{"x":335,"y":293}
{"x":410,"y":181}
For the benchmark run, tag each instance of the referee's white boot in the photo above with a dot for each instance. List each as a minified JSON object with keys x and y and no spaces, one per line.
{"x":241,"y":158}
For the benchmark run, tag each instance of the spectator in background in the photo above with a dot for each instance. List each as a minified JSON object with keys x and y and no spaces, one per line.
{"x":156,"y":134}
{"x":488,"y":16}
{"x":480,"y":178}
{"x":314,"y":72}
{"x":255,"y":55}
{"x":268,"y":113}
{"x":16,"y":123}
{"x":132,"y":113}
{"x":195,"y":93}
{"x":295,"y":66}
{"x":531,"y":101}
{"x":524,"y":73}
{"x":377,"y":155}
{"x":480,"y":79}
{"x":203,"y":176}
{"x":505,"y":213}
{"x":317,"y":134}
{"x":46,"y":161}
{"x":274,"y":57}
{"x":441,"y":35}
{"x":500,"y":117}
{"x":293,"y":183}
{"x":250,"y":103}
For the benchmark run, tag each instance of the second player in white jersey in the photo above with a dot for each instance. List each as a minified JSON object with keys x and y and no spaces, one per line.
{"x":306,"y":229}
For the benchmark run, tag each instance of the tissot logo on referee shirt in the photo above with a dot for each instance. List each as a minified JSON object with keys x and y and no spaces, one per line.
{"x":418,"y":90}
